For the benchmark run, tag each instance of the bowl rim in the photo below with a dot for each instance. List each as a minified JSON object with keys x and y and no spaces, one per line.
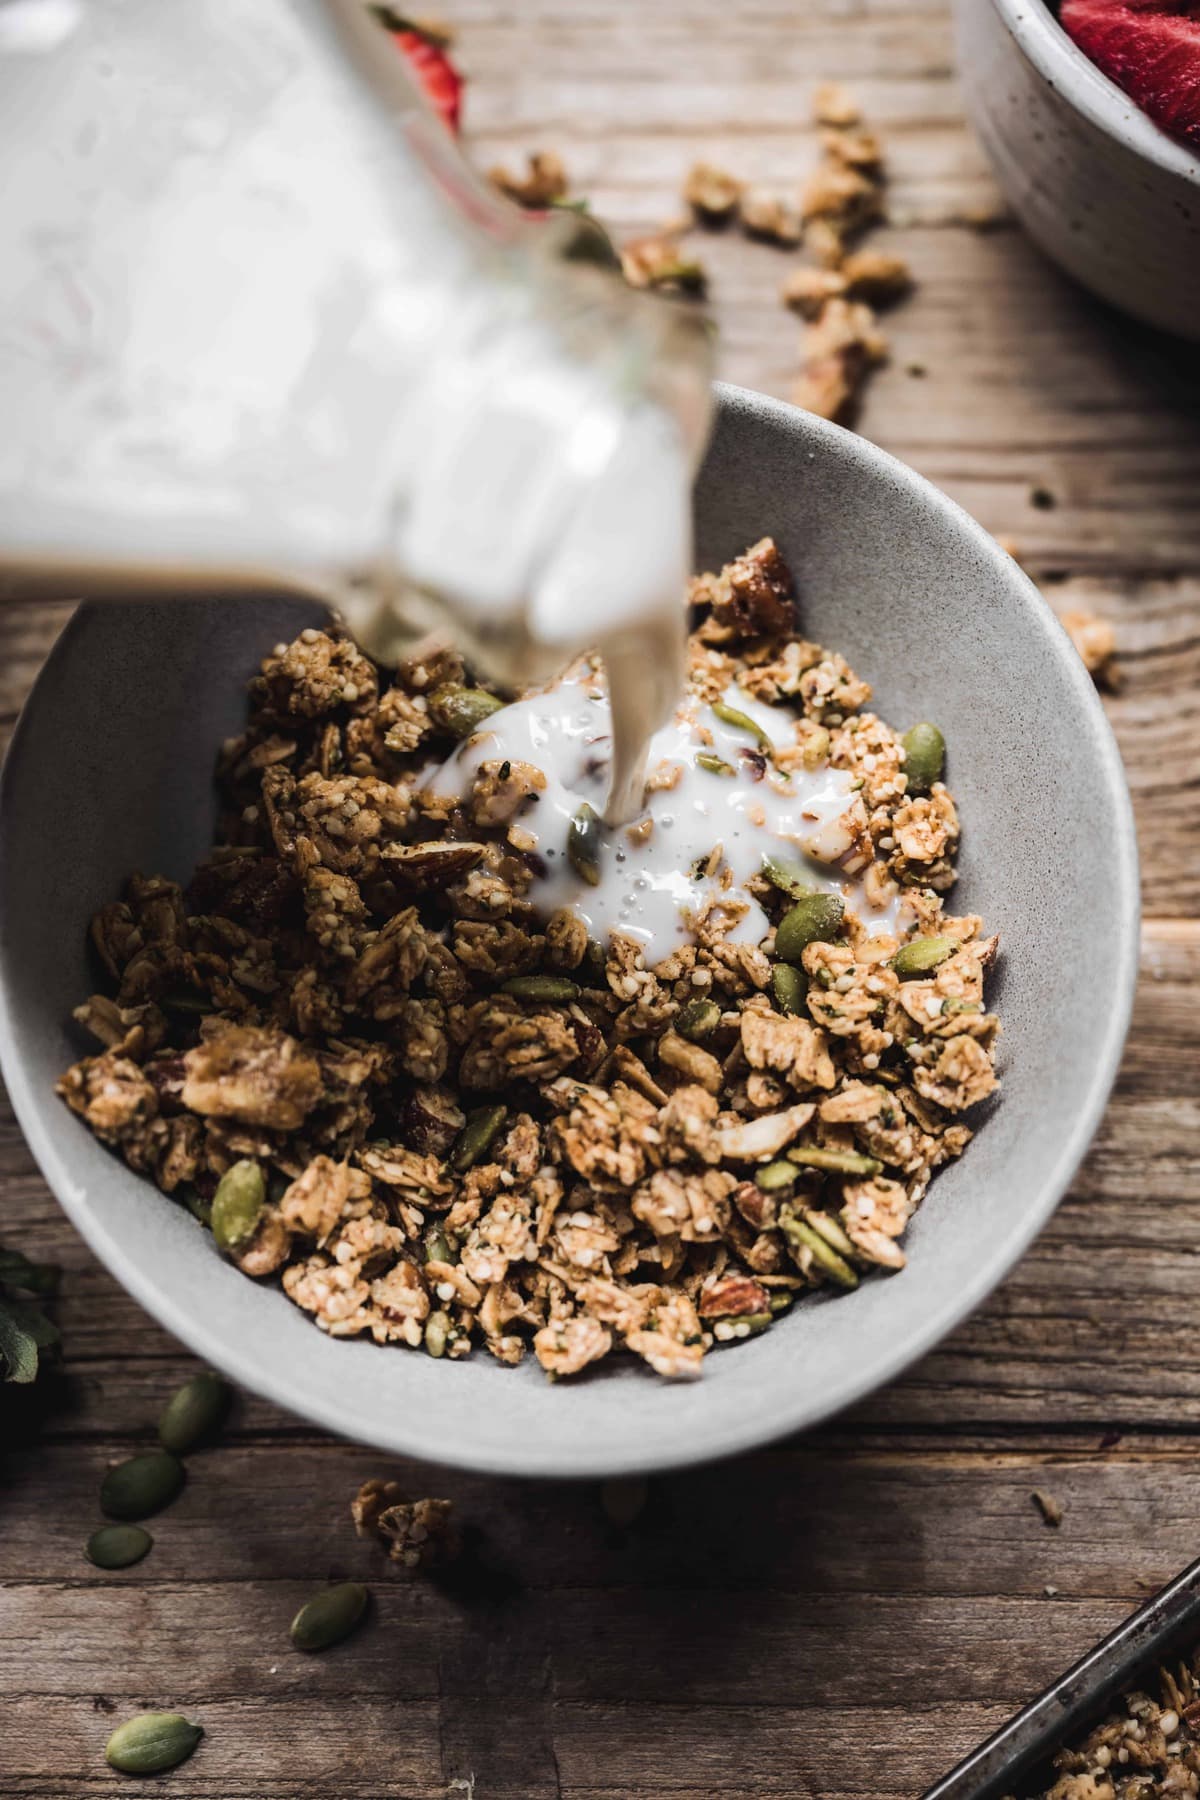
{"x":1075,"y":77}
{"x":410,"y":1434}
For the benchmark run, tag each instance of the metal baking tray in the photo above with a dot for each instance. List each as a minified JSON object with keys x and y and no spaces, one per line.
{"x":1016,"y":1759}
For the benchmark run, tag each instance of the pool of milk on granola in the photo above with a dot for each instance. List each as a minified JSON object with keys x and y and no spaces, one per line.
{"x":651,"y":889}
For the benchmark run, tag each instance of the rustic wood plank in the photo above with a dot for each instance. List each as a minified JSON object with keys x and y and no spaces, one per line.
{"x":912,"y":1519}
{"x":711,"y":1618}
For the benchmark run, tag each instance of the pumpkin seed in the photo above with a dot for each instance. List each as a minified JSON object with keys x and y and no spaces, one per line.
{"x":838,"y":1162}
{"x":697,"y":1019}
{"x":477,"y":1136}
{"x":789,"y":874}
{"x":830,"y":1229}
{"x":788,"y":988}
{"x":194,"y":1412}
{"x":151,"y":1742}
{"x":924,"y":756}
{"x":142,"y":1485}
{"x":774,"y":1176}
{"x":187,"y":1005}
{"x":117,"y":1546}
{"x":715,"y":765}
{"x":437,"y":1331}
{"x":541,"y":987}
{"x":237,"y":1205}
{"x":198,"y":1206}
{"x":921,"y":955}
{"x":460,"y":709}
{"x":815,"y":919}
{"x":801,"y":1234}
{"x":953,"y":1006}
{"x":782,"y":1300}
{"x":435,"y":1245}
{"x":730,"y":715}
{"x":329,"y":1616}
{"x":584,"y":839}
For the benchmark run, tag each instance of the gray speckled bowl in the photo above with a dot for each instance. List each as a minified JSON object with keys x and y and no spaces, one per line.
{"x":1111,"y":198}
{"x":110,"y":771}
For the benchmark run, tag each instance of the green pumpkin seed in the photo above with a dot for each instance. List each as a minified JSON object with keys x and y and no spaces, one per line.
{"x":436,"y":1245}
{"x":187,"y":1005}
{"x":924,"y":756}
{"x":782,"y":1300}
{"x":541,"y":987}
{"x":838,"y":1162}
{"x":477,"y":1136}
{"x":789,"y":989}
{"x":152,"y":1742}
{"x":117,"y":1546}
{"x":142,"y":1485}
{"x":697,"y":1019}
{"x":715,"y":765}
{"x":953,"y":1006}
{"x":329,"y":1616}
{"x":595,"y":959}
{"x":789,"y":874}
{"x":588,"y":242}
{"x":237,"y":1205}
{"x":921,"y":955}
{"x":730,"y":715}
{"x":774,"y":1176}
{"x":461,"y":710}
{"x":585,"y":836}
{"x":437,"y":1333}
{"x":198,"y":1206}
{"x":194,"y":1412}
{"x":815,"y":919}
{"x":801,"y":1234}
{"x":829,"y":1228}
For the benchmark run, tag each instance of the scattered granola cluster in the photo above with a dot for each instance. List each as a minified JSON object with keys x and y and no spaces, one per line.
{"x":353,"y":1047}
{"x":1148,"y":1751}
{"x":838,"y":297}
{"x":1096,"y":642}
{"x":838,"y":294}
{"x":417,"y":1534}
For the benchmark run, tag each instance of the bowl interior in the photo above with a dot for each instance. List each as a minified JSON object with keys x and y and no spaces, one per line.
{"x":110,"y":771}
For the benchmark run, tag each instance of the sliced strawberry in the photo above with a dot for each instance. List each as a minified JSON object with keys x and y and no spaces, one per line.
{"x":1151,"y":48}
{"x":429,"y":62}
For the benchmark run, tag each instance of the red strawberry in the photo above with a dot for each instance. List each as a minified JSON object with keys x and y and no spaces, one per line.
{"x":429,"y":62}
{"x":1151,"y":48}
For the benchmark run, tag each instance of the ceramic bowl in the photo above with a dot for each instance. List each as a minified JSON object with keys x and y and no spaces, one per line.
{"x":1111,"y":198}
{"x":110,"y":771}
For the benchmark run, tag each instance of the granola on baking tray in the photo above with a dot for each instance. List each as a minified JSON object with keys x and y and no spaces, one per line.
{"x":1146,"y":1749}
{"x":442,"y":1119}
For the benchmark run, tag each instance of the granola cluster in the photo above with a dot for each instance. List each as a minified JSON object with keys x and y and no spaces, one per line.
{"x":1148,"y":1750}
{"x":355,"y":1048}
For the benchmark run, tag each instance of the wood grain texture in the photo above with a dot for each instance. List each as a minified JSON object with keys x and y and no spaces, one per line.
{"x":846,"y":1614}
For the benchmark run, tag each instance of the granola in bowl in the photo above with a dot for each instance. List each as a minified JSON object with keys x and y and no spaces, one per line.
{"x":425,"y":1042}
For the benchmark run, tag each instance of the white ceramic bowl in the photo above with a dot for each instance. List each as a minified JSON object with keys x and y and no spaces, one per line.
{"x":110,"y":770}
{"x":1111,"y":198}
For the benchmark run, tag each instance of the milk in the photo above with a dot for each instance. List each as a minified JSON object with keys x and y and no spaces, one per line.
{"x":653,"y":885}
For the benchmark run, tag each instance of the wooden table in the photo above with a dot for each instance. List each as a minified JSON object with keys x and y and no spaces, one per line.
{"x":849,"y":1612}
